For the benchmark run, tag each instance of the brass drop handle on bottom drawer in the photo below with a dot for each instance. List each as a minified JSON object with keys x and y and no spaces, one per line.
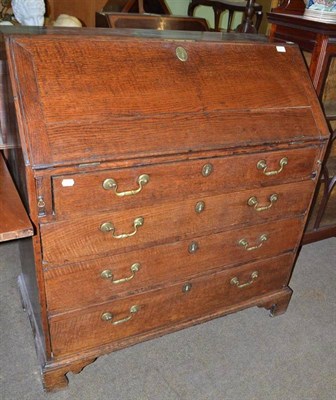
{"x":111,"y":184}
{"x":107,"y":274}
{"x":262,"y":165}
{"x":109,"y":227}
{"x":244,"y":243}
{"x":253,"y":202}
{"x":108,"y":317}
{"x":235,"y":281}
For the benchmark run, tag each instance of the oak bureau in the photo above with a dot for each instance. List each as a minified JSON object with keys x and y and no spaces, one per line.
{"x":168,"y":177}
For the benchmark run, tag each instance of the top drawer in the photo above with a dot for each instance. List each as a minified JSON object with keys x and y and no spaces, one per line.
{"x":125,"y":97}
{"x":127,"y":188}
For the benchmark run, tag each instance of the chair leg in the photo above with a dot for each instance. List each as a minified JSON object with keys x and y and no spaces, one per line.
{"x":247,"y":24}
{"x":326,"y":194}
{"x":230,"y":18}
{"x":259,"y":15}
{"x":141,"y":6}
{"x":217,"y":14}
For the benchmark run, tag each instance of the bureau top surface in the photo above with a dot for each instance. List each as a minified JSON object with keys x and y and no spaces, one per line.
{"x":99,"y":95}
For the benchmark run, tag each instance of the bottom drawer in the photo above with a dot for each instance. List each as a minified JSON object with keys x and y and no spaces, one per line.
{"x":134,"y":315}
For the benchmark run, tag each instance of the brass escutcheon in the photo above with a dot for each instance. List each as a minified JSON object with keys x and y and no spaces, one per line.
{"x":186,"y":287}
{"x":181,"y":53}
{"x":207,"y":169}
{"x":193,"y":247}
{"x":199,"y":207}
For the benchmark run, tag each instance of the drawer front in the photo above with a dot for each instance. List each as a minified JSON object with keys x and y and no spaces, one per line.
{"x":84,"y":193}
{"x":82,"y":237}
{"x":82,"y":284}
{"x":138,"y":314}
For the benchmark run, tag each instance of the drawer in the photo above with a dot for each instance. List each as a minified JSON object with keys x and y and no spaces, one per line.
{"x":135,"y":315}
{"x":80,"y":285}
{"x":84,"y":193}
{"x":82,"y":237}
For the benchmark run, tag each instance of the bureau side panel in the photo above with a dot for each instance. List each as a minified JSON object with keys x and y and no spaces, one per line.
{"x":30,"y":281}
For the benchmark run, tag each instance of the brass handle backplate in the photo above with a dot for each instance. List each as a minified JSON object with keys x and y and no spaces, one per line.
{"x":235,"y":281}
{"x":262,"y":165}
{"x":108,"y":316}
{"x":253,"y":202}
{"x":244,"y":243}
{"x":109,"y":227}
{"x":107,"y":274}
{"x":111,"y":184}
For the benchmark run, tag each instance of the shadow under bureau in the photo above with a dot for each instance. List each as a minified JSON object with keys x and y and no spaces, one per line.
{"x":168,"y":177}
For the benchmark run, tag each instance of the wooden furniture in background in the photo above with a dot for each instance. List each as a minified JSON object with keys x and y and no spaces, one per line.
{"x":85,"y":10}
{"x":163,"y":193}
{"x":290,"y":7}
{"x":248,"y":8}
{"x":145,"y":21}
{"x":136,"y":6}
{"x":319,"y":39}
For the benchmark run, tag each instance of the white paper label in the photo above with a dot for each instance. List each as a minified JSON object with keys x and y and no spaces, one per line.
{"x":281,"y":49}
{"x":68,"y":182}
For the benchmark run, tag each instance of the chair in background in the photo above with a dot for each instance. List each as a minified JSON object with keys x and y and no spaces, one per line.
{"x":249,"y":8}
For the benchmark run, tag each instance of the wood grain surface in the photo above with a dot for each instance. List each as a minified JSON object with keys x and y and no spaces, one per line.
{"x":97,"y":104}
{"x":83,"y":329}
{"x":14,"y":222}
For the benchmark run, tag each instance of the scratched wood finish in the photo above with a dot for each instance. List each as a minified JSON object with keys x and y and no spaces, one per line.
{"x":14,"y":221}
{"x":177,"y":181}
{"x":85,"y":329}
{"x":91,"y":105}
